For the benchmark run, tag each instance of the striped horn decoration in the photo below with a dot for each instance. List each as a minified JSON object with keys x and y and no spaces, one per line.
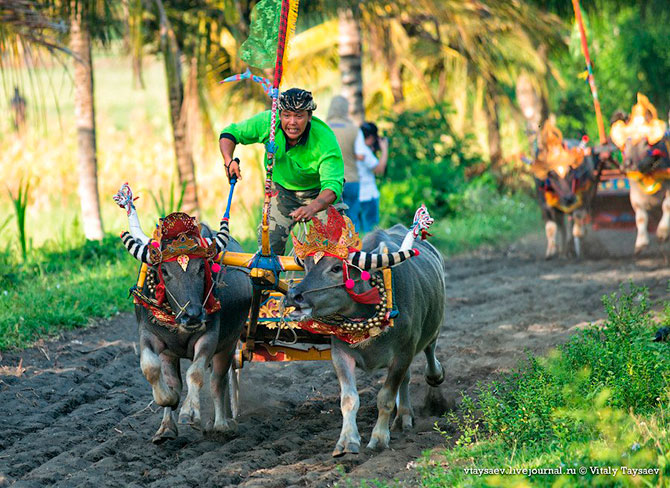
{"x":141,"y":252}
{"x":223,"y":236}
{"x":374,"y":261}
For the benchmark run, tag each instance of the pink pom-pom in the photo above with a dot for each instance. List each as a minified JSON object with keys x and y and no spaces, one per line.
{"x":416,"y":252}
{"x":656,"y":152}
{"x":155,"y":244}
{"x":365,"y":276}
{"x":216,"y":267}
{"x":585,"y":138}
{"x":349,"y":284}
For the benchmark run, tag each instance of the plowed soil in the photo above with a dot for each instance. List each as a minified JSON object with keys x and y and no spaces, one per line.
{"x":77,"y":411}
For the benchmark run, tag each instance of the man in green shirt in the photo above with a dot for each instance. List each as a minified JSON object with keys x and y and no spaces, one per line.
{"x":308,"y":173}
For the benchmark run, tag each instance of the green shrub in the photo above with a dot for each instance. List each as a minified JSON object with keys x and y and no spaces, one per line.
{"x":599,"y":401}
{"x":523,"y":408}
{"x":427,"y":163}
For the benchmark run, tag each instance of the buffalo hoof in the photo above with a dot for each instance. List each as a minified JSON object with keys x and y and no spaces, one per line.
{"x":403,"y":423}
{"x":663,"y":233}
{"x":190,"y":418}
{"x":436,"y":380}
{"x":550,"y":256}
{"x":379,"y":443}
{"x":639,"y":249}
{"x":164,"y":434}
{"x":350,"y":448}
{"x":228,"y":426}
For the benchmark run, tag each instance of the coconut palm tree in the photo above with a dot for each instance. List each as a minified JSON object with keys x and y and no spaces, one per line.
{"x":350,"y":51}
{"x":493,"y":41}
{"x":35,"y":22}
{"x":198,"y":41}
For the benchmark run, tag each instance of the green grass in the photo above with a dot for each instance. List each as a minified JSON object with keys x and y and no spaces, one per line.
{"x":486,"y":219}
{"x":599,"y":401}
{"x":57,"y":291}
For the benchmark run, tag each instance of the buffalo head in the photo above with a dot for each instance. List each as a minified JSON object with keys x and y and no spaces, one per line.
{"x":644,"y":157}
{"x":181,"y":263}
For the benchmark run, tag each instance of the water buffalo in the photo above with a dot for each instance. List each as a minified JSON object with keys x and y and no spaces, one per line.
{"x":188,"y":308}
{"x":645,"y":146}
{"x":565,"y":177}
{"x":419,"y":295}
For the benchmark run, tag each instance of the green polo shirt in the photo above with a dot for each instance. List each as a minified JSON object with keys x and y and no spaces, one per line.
{"x":314,"y":163}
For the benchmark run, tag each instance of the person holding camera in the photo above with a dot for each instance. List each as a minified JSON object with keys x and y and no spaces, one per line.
{"x":369,"y":166}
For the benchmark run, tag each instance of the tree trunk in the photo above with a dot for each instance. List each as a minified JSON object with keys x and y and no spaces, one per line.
{"x":530,"y":104}
{"x":84,"y":108}
{"x":178,"y":116}
{"x":395,"y":69}
{"x":532,"y":101}
{"x":350,"y":62}
{"x":132,"y":38}
{"x":493,"y":131}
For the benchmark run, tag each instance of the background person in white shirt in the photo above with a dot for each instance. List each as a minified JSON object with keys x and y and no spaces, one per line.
{"x":368,"y":167}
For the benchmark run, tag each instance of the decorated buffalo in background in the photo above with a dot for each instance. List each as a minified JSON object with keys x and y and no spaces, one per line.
{"x":187,"y":306}
{"x":379,"y":317}
{"x":644,"y":143}
{"x":565,"y":179}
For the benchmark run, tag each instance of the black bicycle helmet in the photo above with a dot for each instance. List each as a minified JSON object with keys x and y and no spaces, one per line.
{"x":296,"y":99}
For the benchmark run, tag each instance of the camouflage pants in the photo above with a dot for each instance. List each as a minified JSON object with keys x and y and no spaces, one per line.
{"x":281,"y":223}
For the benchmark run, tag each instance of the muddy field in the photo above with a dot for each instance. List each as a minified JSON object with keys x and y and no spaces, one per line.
{"x":77,"y":411}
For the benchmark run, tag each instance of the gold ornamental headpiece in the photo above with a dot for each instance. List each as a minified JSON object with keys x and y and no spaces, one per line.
{"x":553,"y":155}
{"x":643,"y":124}
{"x":337,"y":237}
{"x":179,"y":234}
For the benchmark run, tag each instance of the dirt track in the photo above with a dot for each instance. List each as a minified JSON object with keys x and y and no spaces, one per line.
{"x":79,"y":414}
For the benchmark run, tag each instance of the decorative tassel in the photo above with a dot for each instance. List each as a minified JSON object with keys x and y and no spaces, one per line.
{"x":216,"y":267}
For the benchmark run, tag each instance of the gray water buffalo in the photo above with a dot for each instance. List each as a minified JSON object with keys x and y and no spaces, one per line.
{"x":188,"y":308}
{"x":644,"y":145}
{"x":419,"y":297}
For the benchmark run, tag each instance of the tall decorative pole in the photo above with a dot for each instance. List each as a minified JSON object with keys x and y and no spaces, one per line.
{"x":589,"y":68}
{"x":287,"y":22}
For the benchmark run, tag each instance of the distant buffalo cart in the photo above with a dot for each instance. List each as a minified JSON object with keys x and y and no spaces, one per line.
{"x":566,"y":176}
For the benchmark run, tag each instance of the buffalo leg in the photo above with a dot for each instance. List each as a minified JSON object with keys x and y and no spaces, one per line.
{"x":563,"y":231}
{"x":150,"y":363}
{"x":641,"y":220}
{"x":195,"y":377}
{"x":663,"y":231}
{"x":168,"y":428}
{"x":434,"y":371}
{"x":404,"y":418}
{"x":386,"y":401}
{"x":345,"y":368}
{"x":550,"y":228}
{"x":223,"y":421}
